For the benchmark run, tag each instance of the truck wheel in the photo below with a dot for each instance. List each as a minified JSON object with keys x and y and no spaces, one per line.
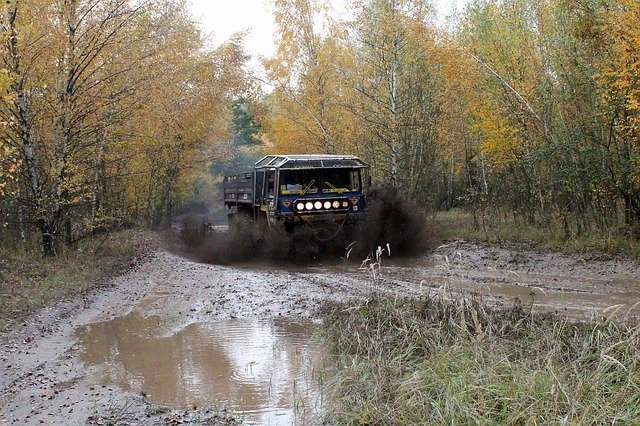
{"x":240,"y":220}
{"x":232,"y":222}
{"x":263,"y":221}
{"x":290,"y":227}
{"x":329,"y":230}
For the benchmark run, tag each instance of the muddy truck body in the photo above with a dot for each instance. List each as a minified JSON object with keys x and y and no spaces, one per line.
{"x":292,"y":190}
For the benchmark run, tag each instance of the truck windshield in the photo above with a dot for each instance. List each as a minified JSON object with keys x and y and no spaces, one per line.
{"x":340,"y":180}
{"x":298,"y":182}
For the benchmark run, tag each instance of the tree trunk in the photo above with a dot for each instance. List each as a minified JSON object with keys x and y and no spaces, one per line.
{"x":21,"y":227}
{"x":99,"y":175}
{"x":23,"y":129}
{"x":394,"y":166}
{"x":49,"y":239}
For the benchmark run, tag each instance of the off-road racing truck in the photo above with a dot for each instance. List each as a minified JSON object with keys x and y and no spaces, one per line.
{"x":323,"y":191}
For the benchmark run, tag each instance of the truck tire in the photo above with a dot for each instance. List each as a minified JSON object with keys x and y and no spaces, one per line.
{"x":263,"y":221}
{"x":232,"y":222}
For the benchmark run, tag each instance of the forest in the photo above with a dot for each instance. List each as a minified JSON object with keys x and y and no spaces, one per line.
{"x":118,"y":112}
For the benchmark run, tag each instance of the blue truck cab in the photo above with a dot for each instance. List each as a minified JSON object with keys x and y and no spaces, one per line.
{"x":297,"y":189}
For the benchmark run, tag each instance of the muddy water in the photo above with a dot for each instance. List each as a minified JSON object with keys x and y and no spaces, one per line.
{"x":266,"y":371}
{"x":557,"y":284}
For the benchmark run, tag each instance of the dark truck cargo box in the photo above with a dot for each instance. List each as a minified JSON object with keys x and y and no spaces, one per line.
{"x":238,"y":189}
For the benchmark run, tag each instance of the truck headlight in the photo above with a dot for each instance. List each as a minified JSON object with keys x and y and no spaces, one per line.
{"x":336,"y":204}
{"x":309,"y":205}
{"x":300,"y":206}
{"x":345,"y":204}
{"x":318,"y":205}
{"x":327,"y":205}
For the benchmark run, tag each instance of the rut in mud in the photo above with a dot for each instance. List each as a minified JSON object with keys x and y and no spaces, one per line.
{"x":173,"y":334}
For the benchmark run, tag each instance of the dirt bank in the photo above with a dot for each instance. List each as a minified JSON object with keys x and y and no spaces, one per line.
{"x":75,"y":363}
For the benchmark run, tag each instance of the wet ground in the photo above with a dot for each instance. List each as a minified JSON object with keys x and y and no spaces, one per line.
{"x":177,"y":341}
{"x":262,"y":368}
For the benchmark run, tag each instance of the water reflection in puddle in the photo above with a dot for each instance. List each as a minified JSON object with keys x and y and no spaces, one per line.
{"x":267,"y":371}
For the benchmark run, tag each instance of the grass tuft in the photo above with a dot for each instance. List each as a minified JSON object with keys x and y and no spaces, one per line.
{"x":436,"y":361}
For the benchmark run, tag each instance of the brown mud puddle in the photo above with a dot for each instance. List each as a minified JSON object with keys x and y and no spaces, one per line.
{"x":547,"y":282}
{"x":266,"y":371}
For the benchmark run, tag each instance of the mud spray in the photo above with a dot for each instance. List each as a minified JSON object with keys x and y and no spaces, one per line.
{"x":391,"y":219}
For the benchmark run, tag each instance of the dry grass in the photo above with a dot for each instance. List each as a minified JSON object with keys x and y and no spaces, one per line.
{"x":437,"y":362}
{"x":28,"y":281}
{"x":603,"y":243}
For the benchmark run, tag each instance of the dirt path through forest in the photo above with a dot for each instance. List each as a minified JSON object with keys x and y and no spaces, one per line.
{"x":189,"y":336}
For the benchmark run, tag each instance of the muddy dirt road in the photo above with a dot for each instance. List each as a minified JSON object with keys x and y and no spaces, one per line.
{"x":173,"y":340}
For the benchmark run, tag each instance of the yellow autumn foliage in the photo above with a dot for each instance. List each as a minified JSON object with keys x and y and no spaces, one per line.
{"x":500,"y":139}
{"x":620,"y":70}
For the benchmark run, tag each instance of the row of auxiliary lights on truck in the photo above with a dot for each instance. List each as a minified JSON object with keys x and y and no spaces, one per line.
{"x":323,"y":205}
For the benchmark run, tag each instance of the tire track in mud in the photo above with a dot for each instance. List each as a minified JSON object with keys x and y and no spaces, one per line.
{"x":45,"y":379}
{"x":569,"y":285}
